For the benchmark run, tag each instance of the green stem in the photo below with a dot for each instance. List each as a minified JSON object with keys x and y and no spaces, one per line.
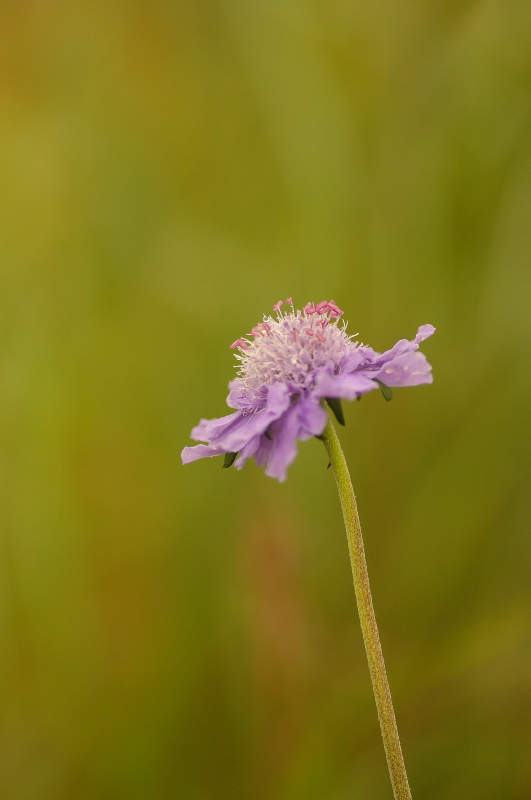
{"x":380,"y":684}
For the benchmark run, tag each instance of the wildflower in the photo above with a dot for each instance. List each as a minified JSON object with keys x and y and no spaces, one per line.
{"x":287,"y":370}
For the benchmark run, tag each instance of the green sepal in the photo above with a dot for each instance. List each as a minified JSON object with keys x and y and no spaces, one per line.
{"x":335,"y":405}
{"x":385,"y":390}
{"x":229,"y":460}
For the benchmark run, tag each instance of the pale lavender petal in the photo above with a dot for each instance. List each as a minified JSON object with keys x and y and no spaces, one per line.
{"x":402,"y":346}
{"x":211,"y":429}
{"x":190,"y":454}
{"x":406,"y":346}
{"x":355,"y":358}
{"x":199,"y":432}
{"x":264,"y":448}
{"x":245,"y":426}
{"x":239,"y":433}
{"x":284,"y":445}
{"x":367,"y":353}
{"x":241,"y":398}
{"x":347,"y":386}
{"x":278,"y":400}
{"x":409,"y":369}
{"x":234,"y":432}
{"x":247,"y":451}
{"x":236,"y":392}
{"x":424,"y":332}
{"x":312,"y":417}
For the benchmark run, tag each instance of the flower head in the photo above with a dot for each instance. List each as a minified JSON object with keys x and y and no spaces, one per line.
{"x":293,"y":363}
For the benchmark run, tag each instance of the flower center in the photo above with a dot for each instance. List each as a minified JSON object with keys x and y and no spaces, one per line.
{"x":293,"y":346}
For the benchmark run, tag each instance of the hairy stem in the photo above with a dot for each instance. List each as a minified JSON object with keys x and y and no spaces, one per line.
{"x":380,"y":684}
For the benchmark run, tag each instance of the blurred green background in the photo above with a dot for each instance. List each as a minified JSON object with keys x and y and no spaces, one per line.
{"x":168,"y":171}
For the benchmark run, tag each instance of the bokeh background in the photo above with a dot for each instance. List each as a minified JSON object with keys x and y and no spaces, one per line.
{"x":168,"y":171}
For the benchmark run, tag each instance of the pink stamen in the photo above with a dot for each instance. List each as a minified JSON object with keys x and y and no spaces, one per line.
{"x":239,"y":343}
{"x":321,"y":307}
{"x":308,"y":331}
{"x":309,"y":309}
{"x":320,"y":337}
{"x":260,"y":329}
{"x":289,"y":301}
{"x":276,"y":307}
{"x":335,"y":311}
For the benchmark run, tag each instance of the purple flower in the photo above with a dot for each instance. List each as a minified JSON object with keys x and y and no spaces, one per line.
{"x":287,"y":370}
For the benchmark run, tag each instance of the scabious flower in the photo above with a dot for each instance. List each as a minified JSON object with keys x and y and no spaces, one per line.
{"x":292,"y":364}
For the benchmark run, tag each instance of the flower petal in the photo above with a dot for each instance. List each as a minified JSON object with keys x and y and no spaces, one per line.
{"x":424,"y":332}
{"x":190,"y":454}
{"x":406,"y":346}
{"x":264,"y":448}
{"x":348,"y":385}
{"x":312,"y":417}
{"x":241,"y":398}
{"x":409,"y":369}
{"x":210,"y":430}
{"x":283,"y":445}
{"x":199,"y":432}
{"x":233,"y":432}
{"x":247,"y":451}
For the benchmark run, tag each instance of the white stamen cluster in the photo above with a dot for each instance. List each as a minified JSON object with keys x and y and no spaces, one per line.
{"x":291,"y":346}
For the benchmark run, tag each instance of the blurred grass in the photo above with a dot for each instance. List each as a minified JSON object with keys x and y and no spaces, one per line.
{"x":168,"y":171}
